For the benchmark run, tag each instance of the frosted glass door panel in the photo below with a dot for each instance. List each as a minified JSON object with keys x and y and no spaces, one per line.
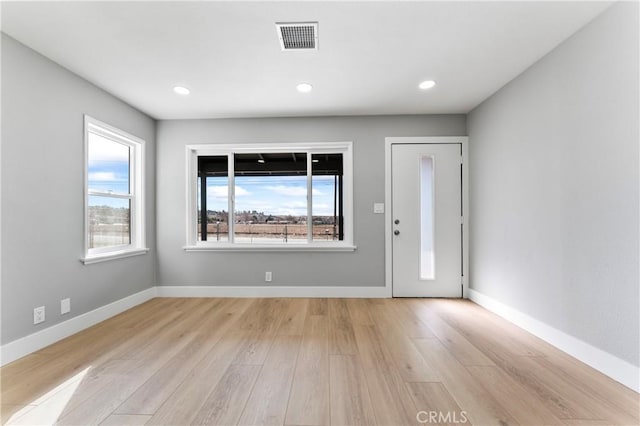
{"x":427,"y":262}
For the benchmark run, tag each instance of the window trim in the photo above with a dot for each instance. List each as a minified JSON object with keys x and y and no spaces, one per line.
{"x":136,"y":194}
{"x":196,"y":150}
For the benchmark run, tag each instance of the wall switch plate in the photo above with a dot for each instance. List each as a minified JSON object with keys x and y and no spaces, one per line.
{"x":65,"y":306}
{"x":378,"y":208}
{"x":38,"y":315}
{"x":267,"y":276}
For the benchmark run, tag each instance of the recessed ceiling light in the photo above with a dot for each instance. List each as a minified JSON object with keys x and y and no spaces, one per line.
{"x":181,"y":90}
{"x":427,"y":84}
{"x":304,"y":87}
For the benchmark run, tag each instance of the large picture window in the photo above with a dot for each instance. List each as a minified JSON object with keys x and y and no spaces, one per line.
{"x":270,"y":197}
{"x":113,"y":197}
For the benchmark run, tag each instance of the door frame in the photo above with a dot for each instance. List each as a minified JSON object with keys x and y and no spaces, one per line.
{"x":388,"y":240}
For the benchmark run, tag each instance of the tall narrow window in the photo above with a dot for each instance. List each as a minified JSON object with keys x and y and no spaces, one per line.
{"x":113,"y":210}
{"x":328,"y":190}
{"x":213,"y":197}
{"x":427,"y":260}
{"x":270,"y":196}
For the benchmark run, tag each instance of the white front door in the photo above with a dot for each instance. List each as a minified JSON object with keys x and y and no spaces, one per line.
{"x":426,"y":211}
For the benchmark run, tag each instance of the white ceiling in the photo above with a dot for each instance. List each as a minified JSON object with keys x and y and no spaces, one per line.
{"x":371,"y":56}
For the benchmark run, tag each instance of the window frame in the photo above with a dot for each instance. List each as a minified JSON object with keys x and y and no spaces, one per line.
{"x":229,"y":150}
{"x":136,"y":195}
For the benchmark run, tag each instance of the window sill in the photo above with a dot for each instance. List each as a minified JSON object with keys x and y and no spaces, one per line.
{"x":104,"y":257}
{"x":271,"y":248}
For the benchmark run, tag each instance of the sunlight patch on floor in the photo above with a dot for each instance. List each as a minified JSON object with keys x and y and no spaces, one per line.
{"x":49,"y":406}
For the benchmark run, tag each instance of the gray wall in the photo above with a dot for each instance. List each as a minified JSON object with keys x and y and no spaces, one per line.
{"x":42,"y":193}
{"x":364,"y":267}
{"x":554,"y":187}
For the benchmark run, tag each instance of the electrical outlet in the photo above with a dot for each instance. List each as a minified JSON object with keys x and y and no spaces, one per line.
{"x":65,"y":306}
{"x":267,"y":276}
{"x":38,"y":315}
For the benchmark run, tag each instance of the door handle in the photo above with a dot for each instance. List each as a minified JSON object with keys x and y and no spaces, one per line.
{"x":396,"y":232}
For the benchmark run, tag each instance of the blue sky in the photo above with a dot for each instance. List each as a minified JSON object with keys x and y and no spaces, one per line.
{"x":108,"y":170}
{"x":276,"y":195}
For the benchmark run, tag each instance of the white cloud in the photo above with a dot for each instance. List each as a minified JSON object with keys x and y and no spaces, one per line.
{"x":289,"y":210}
{"x":291,"y":191}
{"x":102,"y":149}
{"x":280,"y":208}
{"x":223,"y":191}
{"x":241,"y":192}
{"x":296,"y":205}
{"x":322,"y":209}
{"x":102,"y":176}
{"x":218,"y":191}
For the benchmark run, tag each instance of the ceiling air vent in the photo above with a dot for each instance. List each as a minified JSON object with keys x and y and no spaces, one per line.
{"x":298,"y":35}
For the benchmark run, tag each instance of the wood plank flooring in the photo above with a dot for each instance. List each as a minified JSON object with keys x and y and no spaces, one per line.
{"x":304,"y":362}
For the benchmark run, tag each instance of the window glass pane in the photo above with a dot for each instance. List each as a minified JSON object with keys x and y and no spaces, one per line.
{"x":213,"y":205}
{"x":327,"y":190}
{"x":427,"y":269}
{"x":109,"y":221}
{"x":108,"y":165}
{"x":271,"y":198}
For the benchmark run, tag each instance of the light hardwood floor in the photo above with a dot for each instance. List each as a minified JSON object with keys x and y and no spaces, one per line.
{"x":308,"y":362}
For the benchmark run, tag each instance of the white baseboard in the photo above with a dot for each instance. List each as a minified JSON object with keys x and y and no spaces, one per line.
{"x":36,"y":341}
{"x":610,"y":365}
{"x":272,"y":291}
{"x":33,"y":342}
